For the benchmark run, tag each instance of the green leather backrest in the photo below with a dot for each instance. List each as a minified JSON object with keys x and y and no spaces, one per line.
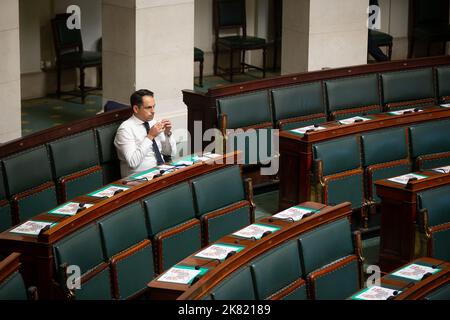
{"x":27,"y":170}
{"x":276,"y":270}
{"x":66,"y":36}
{"x":218,"y":189}
{"x":430,"y":138}
{"x":407,"y":85}
{"x":384,"y":146}
{"x":97,"y":288}
{"x":2,"y":184}
{"x":73,"y":154}
{"x":443,"y":80}
{"x":83,"y":249}
{"x":13,"y":288}
{"x":123,"y":229}
{"x":442,"y":293}
{"x":298,"y":101}
{"x":105,"y":140}
{"x":437,"y":202}
{"x":5,"y":218}
{"x":246,"y":109}
{"x":231,"y":12}
{"x":169,"y":208}
{"x":238,"y":286}
{"x":325,"y":245}
{"x":352,"y":92}
{"x":338,"y":155}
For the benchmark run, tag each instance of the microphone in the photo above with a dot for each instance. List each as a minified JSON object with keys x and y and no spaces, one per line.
{"x":412,"y":179}
{"x":265,"y":234}
{"x":229,"y":255}
{"x":438,"y":265}
{"x":358,"y":120}
{"x":118,"y":191}
{"x":397,"y":292}
{"x":195,"y":280}
{"x":416,"y":109}
{"x":161,"y":172}
{"x":290,"y":219}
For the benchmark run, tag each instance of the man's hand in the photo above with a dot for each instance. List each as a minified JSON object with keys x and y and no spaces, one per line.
{"x":167,"y":127}
{"x":155,"y":130}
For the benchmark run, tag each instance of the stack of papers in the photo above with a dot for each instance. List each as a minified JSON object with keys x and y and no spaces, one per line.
{"x":218,"y":251}
{"x":445,"y":105}
{"x":294,"y":213}
{"x":353,"y":120}
{"x":375,"y":293}
{"x":69,"y":209}
{"x":415,"y":272}
{"x":402,"y":112}
{"x":182,"y":275}
{"x":255,"y":231}
{"x":303,"y":130}
{"x":405,"y":178}
{"x":442,"y":169}
{"x":108,"y":191}
{"x":32,"y":228}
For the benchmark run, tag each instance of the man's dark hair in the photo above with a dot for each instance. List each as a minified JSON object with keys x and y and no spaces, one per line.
{"x":136,"y":98}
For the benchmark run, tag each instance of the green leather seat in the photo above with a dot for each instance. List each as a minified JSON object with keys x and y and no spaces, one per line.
{"x":355,"y":96}
{"x":107,"y":152}
{"x":13,"y":288}
{"x":25,"y":173}
{"x":329,"y":263}
{"x":278,"y":270}
{"x":342,"y":174}
{"x":408,"y":89}
{"x":430,"y":144}
{"x":298,"y":106}
{"x":84,"y":249}
{"x":442,"y":293}
{"x":171,"y":221}
{"x":437,"y":202}
{"x":443,"y":83}
{"x":124,"y":237}
{"x":217,"y":209}
{"x":72,"y":157}
{"x":238,"y":286}
{"x":385,"y":155}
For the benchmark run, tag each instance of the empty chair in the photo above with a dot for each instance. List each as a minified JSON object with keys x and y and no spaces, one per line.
{"x":5,"y":209}
{"x":385,"y":155}
{"x":338,"y":173}
{"x":76,"y":165}
{"x":442,"y":293}
{"x":355,"y":96}
{"x":172,"y":226}
{"x":278,"y":274}
{"x":330,"y":265}
{"x":107,"y":152}
{"x":298,"y":106}
{"x":430,"y":144}
{"x":435,"y":215}
{"x":443,"y":84}
{"x":238,"y":286}
{"x":124,"y":237}
{"x":408,"y":89}
{"x":29,"y":184}
{"x":84,"y":249}
{"x":221,"y":203}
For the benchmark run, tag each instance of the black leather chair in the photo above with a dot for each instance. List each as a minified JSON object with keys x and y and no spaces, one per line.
{"x":231,"y":14}
{"x":70,"y":54}
{"x":199,"y":56}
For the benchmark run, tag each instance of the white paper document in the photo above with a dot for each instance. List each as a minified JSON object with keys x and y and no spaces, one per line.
{"x":445,"y":105}
{"x":405,"y":178}
{"x":181,"y":275}
{"x":32,"y":228}
{"x":415,"y":272}
{"x":149,"y":174}
{"x":295,"y":213}
{"x":69,"y":209}
{"x":353,"y":120}
{"x":218,"y":251}
{"x":255,"y":231}
{"x":308,"y":128}
{"x":442,"y":169}
{"x":108,"y":191}
{"x":375,"y":293}
{"x":402,"y":112}
{"x":207,"y":157}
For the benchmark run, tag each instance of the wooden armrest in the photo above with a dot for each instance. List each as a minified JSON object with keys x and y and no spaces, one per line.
{"x":250,"y":198}
{"x":421,"y":159}
{"x":9,"y":265}
{"x":77,"y":175}
{"x":289,"y":289}
{"x":357,"y":242}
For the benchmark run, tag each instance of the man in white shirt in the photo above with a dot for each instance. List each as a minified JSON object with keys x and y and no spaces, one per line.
{"x":142,"y":142}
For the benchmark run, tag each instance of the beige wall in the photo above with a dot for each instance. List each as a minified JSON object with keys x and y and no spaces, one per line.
{"x":10,"y":122}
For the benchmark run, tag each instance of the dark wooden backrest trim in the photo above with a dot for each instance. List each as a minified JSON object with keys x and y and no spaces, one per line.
{"x":9,"y":265}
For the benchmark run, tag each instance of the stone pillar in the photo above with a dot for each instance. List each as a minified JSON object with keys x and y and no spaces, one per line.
{"x":323,"y":34}
{"x":10,"y":121}
{"x":149,"y":44}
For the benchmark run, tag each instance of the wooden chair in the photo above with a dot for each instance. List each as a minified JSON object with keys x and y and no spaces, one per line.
{"x":199,"y":56}
{"x":70,"y":54}
{"x":231,"y":14}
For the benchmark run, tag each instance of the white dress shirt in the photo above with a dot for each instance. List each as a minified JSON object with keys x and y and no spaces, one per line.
{"x":135,"y":149}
